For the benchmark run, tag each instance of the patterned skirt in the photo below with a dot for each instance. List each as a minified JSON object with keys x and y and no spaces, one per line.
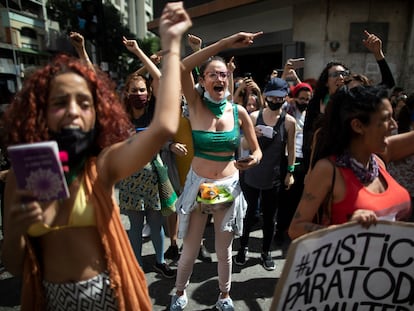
{"x":139,"y":192}
{"x":93,"y":294}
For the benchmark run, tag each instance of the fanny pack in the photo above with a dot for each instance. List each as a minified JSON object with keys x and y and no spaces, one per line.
{"x":211,"y":198}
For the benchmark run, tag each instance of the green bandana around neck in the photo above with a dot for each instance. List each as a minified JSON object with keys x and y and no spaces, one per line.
{"x":326,"y":99}
{"x":216,"y":108}
{"x":74,"y":171}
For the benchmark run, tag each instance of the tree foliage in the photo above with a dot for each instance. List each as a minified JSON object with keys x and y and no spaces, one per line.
{"x":108,"y":35}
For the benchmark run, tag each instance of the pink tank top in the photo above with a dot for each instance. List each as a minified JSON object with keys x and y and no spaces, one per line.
{"x":393,"y":203}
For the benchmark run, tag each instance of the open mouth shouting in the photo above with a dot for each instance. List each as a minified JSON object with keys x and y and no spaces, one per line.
{"x":218,"y":89}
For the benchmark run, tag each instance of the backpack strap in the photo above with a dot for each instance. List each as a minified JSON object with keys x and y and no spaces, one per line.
{"x":280,"y":124}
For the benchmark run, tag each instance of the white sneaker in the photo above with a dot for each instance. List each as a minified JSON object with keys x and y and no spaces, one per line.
{"x":225,"y":304}
{"x":178,"y":303}
{"x":146,"y":231}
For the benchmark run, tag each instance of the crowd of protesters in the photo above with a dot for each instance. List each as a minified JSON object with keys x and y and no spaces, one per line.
{"x":271,"y":156}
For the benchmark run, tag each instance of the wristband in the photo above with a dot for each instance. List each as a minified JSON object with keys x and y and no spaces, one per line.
{"x":197,"y":70}
{"x":291,"y":168}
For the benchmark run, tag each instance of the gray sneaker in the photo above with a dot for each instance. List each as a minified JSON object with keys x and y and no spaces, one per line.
{"x":225,"y":304}
{"x":178,"y":303}
{"x":267,"y":261}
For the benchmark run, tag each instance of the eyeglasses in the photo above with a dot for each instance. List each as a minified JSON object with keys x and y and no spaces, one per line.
{"x":336,"y":74}
{"x":218,"y":74}
{"x":275,"y":99}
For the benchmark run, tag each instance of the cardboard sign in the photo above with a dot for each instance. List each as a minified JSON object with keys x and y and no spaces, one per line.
{"x":349,"y":268}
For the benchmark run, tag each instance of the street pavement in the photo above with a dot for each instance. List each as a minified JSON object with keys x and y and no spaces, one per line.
{"x":252,"y":286}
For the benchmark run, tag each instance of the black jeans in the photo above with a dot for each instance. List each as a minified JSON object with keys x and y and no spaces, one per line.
{"x":289,"y":199}
{"x":268,"y":204}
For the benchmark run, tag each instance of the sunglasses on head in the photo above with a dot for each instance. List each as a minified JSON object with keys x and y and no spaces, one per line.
{"x":274,"y":99}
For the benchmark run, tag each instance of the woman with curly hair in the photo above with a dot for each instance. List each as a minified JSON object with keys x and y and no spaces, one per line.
{"x":74,"y":252}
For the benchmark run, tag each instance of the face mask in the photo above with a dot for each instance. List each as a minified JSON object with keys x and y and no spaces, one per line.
{"x":75,"y":142}
{"x":301,"y":107}
{"x":274,"y":106}
{"x":217,"y":108}
{"x":208,"y":96}
{"x":137,"y":101}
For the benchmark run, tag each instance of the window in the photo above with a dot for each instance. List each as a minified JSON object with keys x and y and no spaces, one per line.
{"x":28,"y":32}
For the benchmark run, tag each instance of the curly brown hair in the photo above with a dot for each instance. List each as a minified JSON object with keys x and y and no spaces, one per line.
{"x":25,"y":120}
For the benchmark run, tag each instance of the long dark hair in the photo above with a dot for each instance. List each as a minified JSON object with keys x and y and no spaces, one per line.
{"x":314,"y":117}
{"x":360,"y":103}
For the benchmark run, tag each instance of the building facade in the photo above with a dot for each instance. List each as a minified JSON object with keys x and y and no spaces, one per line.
{"x":26,"y":37}
{"x":319,"y":30}
{"x":136,"y":14}
{"x":29,"y":38}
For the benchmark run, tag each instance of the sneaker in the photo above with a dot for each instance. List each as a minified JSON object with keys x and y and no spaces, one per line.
{"x":203,"y":254}
{"x":165,"y":270}
{"x":172,"y":253}
{"x":2,"y":268}
{"x":146,"y":231}
{"x":178,"y":303}
{"x":240,"y":258}
{"x":225,"y":304}
{"x":268,"y":262}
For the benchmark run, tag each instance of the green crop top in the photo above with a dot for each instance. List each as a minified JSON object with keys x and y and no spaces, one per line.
{"x":220,"y":141}
{"x":82,"y":215}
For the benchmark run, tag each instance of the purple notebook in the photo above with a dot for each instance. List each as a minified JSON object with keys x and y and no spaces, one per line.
{"x":38,"y":168}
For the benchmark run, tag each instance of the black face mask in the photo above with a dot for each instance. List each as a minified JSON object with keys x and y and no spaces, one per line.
{"x":138,"y":101}
{"x":274,"y":106}
{"x":76,"y":143}
{"x":301,"y":107}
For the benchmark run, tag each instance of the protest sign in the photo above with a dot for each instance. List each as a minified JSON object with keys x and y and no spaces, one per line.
{"x":351,"y":268}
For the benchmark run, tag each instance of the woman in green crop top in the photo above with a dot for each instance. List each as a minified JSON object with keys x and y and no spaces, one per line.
{"x":89,"y":262}
{"x":215,"y":125}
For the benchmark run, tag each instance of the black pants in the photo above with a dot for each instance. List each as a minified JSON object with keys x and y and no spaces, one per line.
{"x":289,"y":199}
{"x":268,"y":205}
{"x":2,"y":186}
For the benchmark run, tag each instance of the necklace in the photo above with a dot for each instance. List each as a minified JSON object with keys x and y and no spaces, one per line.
{"x":365,"y":175}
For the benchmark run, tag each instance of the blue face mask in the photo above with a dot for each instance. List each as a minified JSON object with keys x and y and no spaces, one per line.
{"x":208,"y":96}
